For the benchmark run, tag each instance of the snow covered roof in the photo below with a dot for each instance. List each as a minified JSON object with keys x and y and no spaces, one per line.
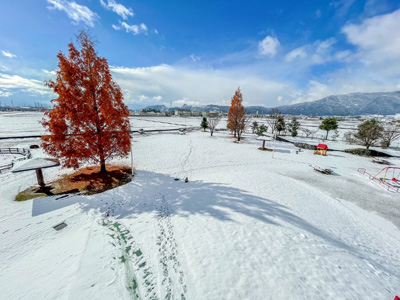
{"x":264,"y":138}
{"x":37,"y":163}
{"x":322,"y":146}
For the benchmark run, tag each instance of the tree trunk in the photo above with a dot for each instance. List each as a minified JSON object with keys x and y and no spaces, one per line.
{"x":212,"y":131}
{"x":103,"y":166}
{"x":327,"y":132}
{"x":39,"y":176}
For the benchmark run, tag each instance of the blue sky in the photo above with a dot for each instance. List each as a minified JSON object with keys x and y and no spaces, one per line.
{"x":199,"y":52}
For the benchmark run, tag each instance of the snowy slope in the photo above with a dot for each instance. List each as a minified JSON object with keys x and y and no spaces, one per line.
{"x":246,"y":226}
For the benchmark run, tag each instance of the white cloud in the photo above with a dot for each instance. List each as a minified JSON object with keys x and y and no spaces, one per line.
{"x":268,"y":46}
{"x":77,"y":13}
{"x":135,"y":29}
{"x":155,"y":31}
{"x":343,"y":55}
{"x":17,"y":82}
{"x":195,"y":57}
{"x":52,"y":72}
{"x":5,"y":94}
{"x":323,"y":51}
{"x":298,"y":52}
{"x":116,"y":27}
{"x":119,"y":9}
{"x":206,"y":86}
{"x":131,"y":28}
{"x":8,"y":54}
{"x":378,"y":42}
{"x":143,"y":27}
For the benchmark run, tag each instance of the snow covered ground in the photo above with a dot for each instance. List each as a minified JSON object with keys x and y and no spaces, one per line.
{"x":247,"y":225}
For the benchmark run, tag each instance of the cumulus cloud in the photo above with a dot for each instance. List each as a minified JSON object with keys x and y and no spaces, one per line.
{"x":377,"y":41}
{"x":296,"y":53}
{"x":76,"y":12}
{"x":204,"y":87}
{"x":268,"y":46}
{"x":9,"y":82}
{"x":118,"y":8}
{"x":8,"y":54}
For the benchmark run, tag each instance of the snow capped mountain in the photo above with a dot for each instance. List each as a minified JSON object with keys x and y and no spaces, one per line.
{"x":337,"y":105}
{"x":349,"y":104}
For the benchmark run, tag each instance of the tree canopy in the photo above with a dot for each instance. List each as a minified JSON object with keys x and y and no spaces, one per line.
{"x":89,"y":121}
{"x":237,"y":119}
{"x":329,"y":124}
{"x":369,"y":132}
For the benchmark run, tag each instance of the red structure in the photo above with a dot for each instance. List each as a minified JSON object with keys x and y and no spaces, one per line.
{"x":390,"y":180}
{"x":321,"y":149}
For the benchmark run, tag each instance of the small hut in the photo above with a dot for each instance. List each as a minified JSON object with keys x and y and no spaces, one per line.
{"x":321,"y":149}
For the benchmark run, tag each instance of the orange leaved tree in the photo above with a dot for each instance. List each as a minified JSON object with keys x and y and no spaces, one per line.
{"x":89,"y":121}
{"x":237,"y":120}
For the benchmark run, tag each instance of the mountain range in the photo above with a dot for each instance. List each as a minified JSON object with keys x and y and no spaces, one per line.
{"x":380,"y":103}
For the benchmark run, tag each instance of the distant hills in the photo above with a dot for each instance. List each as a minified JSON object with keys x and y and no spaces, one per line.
{"x":338,"y":105}
{"x":348,"y":105}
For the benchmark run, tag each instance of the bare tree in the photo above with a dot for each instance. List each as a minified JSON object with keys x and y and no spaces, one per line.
{"x":390,"y":134}
{"x":272,"y":119}
{"x":244,"y":123}
{"x":212,"y":121}
{"x":308,"y":132}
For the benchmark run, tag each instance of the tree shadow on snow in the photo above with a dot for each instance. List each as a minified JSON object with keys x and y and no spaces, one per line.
{"x":215,"y":200}
{"x":147,"y":190}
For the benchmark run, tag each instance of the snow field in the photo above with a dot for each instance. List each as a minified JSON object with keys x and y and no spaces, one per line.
{"x":245,"y":226}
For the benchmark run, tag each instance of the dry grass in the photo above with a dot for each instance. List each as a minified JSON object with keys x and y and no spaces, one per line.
{"x":86,"y":181}
{"x":90,"y":181}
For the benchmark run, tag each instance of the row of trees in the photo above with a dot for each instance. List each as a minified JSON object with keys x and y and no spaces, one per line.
{"x":89,"y":121}
{"x":211,"y":122}
{"x":372,"y":133}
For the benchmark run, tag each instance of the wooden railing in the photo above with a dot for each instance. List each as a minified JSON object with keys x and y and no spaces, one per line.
{"x":26,"y":154}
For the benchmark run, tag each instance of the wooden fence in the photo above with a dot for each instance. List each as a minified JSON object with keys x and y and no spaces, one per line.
{"x":26,"y":154}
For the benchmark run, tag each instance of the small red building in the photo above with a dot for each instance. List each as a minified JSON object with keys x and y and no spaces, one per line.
{"x":321,"y":149}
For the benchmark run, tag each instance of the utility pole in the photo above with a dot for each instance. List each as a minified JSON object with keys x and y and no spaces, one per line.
{"x":132,"y":157}
{"x":273,"y":150}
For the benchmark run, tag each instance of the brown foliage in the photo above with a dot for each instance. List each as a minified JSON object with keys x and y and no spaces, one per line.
{"x":89,"y":121}
{"x":237,"y":120}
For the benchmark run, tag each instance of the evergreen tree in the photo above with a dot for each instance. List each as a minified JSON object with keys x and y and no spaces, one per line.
{"x":204,"y":124}
{"x":254,"y":126}
{"x":294,"y":126}
{"x":329,"y":124}
{"x":280,"y":125}
{"x":369,"y":132}
{"x":261,"y":130}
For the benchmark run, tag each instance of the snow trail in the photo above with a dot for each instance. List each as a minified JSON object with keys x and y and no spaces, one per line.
{"x":173,"y":278}
{"x":139,"y":277}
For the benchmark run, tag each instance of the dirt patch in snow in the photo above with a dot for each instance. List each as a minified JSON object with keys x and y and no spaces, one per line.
{"x":90,"y":181}
{"x":85,"y":181}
